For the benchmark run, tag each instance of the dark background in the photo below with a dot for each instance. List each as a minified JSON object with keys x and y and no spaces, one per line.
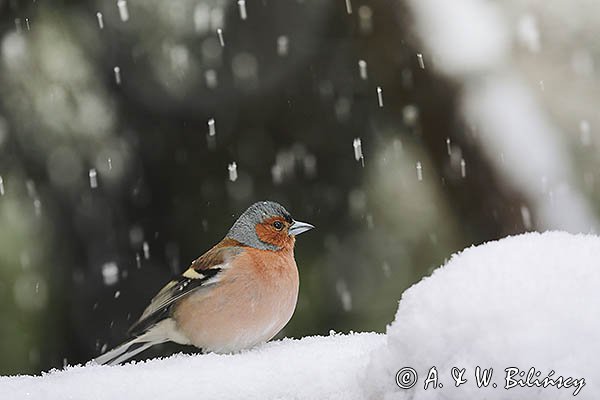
{"x":79,"y":263}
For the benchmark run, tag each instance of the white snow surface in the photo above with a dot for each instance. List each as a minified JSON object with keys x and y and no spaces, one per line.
{"x":316,"y":367}
{"x":525,"y":301}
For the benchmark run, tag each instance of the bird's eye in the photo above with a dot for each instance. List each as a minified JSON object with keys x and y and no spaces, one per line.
{"x":278,"y":225}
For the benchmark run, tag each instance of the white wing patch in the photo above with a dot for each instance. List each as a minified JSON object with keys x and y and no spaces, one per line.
{"x":191,"y":273}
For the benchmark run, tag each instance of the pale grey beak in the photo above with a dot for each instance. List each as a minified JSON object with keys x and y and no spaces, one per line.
{"x":298,"y":227}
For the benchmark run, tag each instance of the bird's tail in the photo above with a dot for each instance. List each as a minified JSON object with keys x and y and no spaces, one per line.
{"x":127,"y":350}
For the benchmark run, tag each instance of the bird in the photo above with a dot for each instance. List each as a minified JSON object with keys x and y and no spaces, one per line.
{"x":238,"y":294}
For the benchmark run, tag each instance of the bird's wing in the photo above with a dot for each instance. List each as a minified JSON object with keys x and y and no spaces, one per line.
{"x":203,"y":273}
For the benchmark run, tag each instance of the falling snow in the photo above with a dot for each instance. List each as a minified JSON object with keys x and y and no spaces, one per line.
{"x":421,"y":61}
{"x":110,"y":273}
{"x":386,"y":269}
{"x":277,"y":174}
{"x":282,"y":45}
{"x":348,"y":6}
{"x":30,"y":185}
{"x":117,"y":71}
{"x":358,"y":153}
{"x":220,"y":36}
{"x":526,"y":217}
{"x":211,"y":78}
{"x":344,"y":294}
{"x":123,"y":11}
{"x":242,"y":7}
{"x":232,"y":168}
{"x":93,"y":178}
{"x":37,"y":206}
{"x":410,"y":115}
{"x":212,"y":131}
{"x":100,"y":20}
{"x":365,"y":19}
{"x":362,"y":69}
{"x":379,"y":96}
{"x":146,"y":249}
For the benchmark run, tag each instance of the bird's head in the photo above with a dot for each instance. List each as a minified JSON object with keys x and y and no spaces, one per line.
{"x":266,"y":225}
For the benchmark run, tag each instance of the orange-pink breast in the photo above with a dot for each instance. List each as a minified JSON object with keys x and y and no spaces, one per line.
{"x":250,"y":304}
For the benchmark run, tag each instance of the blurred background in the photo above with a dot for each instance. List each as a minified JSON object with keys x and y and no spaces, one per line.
{"x":133,"y":133}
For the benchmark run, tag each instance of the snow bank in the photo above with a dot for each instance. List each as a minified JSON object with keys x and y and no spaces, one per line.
{"x":526,"y":301}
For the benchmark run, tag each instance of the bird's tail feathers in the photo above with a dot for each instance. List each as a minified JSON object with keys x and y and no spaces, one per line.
{"x":129,"y":349}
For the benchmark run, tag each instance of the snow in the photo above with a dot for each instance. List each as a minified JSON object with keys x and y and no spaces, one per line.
{"x":123,"y":11}
{"x":311,"y":368}
{"x":524,"y":301}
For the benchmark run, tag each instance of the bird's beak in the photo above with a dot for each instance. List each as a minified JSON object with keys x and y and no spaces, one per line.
{"x":298,"y":227}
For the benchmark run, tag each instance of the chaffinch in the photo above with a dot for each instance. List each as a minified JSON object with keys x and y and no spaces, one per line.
{"x":240,"y":293}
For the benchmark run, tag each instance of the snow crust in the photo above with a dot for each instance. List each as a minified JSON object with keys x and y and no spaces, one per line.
{"x":526,"y":301}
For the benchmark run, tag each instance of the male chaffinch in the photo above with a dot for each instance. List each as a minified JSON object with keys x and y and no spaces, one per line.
{"x":240,"y":293}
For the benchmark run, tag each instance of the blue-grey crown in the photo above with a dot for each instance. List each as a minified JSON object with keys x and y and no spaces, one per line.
{"x":244,"y":229}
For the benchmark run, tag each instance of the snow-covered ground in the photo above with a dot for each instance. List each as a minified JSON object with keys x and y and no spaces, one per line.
{"x":312,"y":368}
{"x":529,"y":301}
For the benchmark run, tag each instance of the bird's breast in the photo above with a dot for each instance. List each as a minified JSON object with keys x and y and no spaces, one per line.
{"x":252,"y":301}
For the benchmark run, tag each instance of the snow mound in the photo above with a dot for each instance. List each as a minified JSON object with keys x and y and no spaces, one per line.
{"x":526,"y":301}
{"x":529,"y":301}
